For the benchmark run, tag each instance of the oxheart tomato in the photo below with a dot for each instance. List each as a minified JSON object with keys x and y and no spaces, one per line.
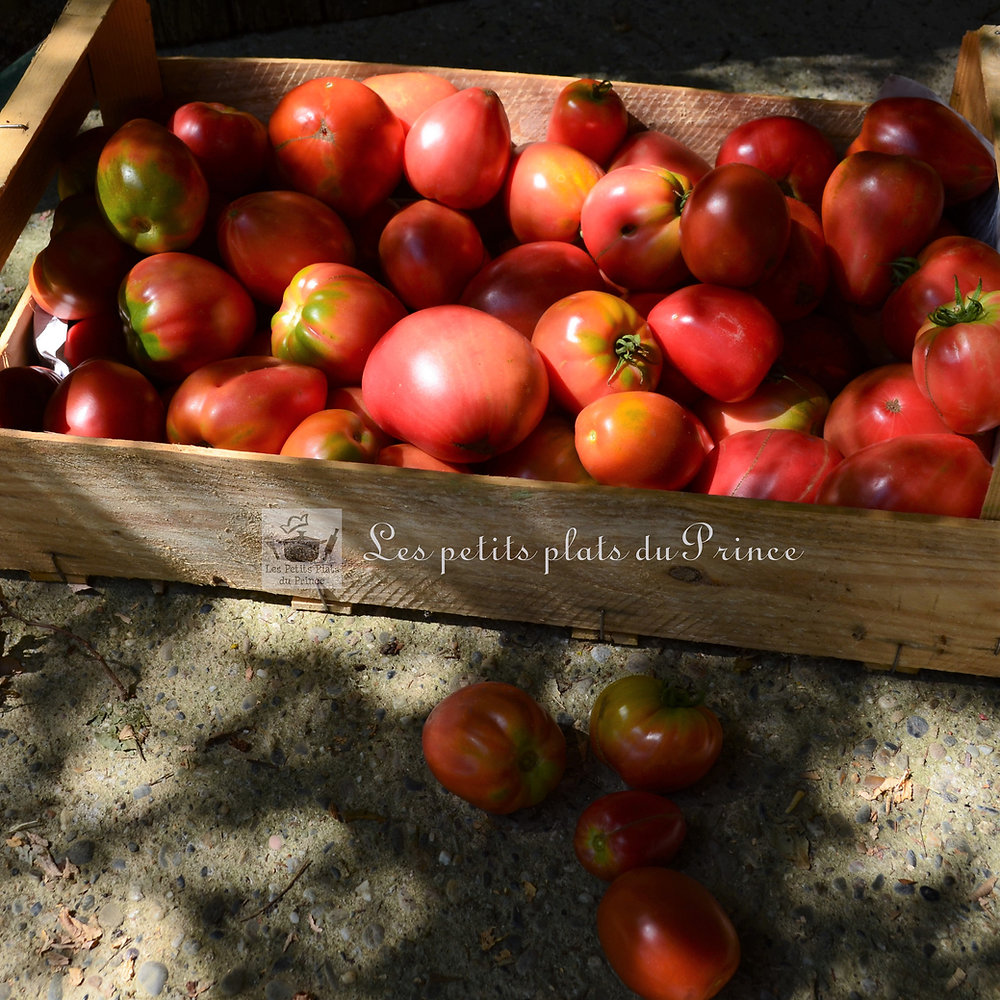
{"x":654,"y":736}
{"x":458,"y":383}
{"x":666,"y":936}
{"x":628,"y":829}
{"x":723,"y":340}
{"x":590,"y":116}
{"x":336,"y":139}
{"x":492,"y":744}
{"x":548,"y":453}
{"x":332,"y":434}
{"x":25,"y":391}
{"x":943,"y":474}
{"x":409,"y":93}
{"x":654,"y":148}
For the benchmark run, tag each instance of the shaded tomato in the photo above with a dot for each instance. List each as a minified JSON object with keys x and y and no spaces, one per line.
{"x":548,"y":453}
{"x":666,"y":936}
{"x":25,"y":391}
{"x":76,"y":172}
{"x":404,"y":455}
{"x":590,"y":116}
{"x":349,"y":397}
{"x":654,"y":148}
{"x":628,"y":829}
{"x":98,"y":336}
{"x":824,"y":348}
{"x":332,"y":434}
{"x":408,"y":93}
{"x":495,"y":746}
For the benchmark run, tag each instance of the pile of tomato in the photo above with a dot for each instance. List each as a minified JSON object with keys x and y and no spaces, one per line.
{"x":377,"y":274}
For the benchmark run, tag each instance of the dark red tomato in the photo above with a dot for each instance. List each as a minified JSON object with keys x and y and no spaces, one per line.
{"x":458,"y":383}
{"x":429,"y":252}
{"x":348,"y":397}
{"x":266,"y":237}
{"x":590,"y":116}
{"x":548,"y":453}
{"x":99,"y":336}
{"x":824,"y":348}
{"x":666,"y":936}
{"x":640,"y":439}
{"x":25,"y":391}
{"x":628,"y":829}
{"x":778,"y":463}
{"x":658,"y":149}
{"x":102,"y":398}
{"x":943,"y":474}
{"x":331,"y":317}
{"x":877,"y":207}
{"x":519,"y":284}
{"x":630,"y":224}
{"x":654,"y":736}
{"x":931,"y":284}
{"x":247,"y":403}
{"x":336,"y":139}
{"x":457,"y":151}
{"x":595,"y":343}
{"x":77,"y":169}
{"x":403,"y":455}
{"x":724,"y":340}
{"x":881,"y":403}
{"x":734,"y":226}
{"x":332,"y":434}
{"x":930,"y":130}
{"x":545,"y":189}
{"x":793,"y":151}
{"x":495,"y":746}
{"x":409,"y":93}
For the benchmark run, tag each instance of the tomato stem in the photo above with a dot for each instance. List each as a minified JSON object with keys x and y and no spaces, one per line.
{"x":630,"y":350}
{"x":966,"y":310}
{"x":902,"y":268}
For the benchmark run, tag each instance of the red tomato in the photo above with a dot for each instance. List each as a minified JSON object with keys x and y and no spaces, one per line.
{"x":628,"y":829}
{"x":589,"y":115}
{"x":722,"y":339}
{"x":404,"y":455}
{"x":630,"y":223}
{"x":429,"y":252}
{"x":881,"y":403}
{"x":944,"y":474}
{"x":348,"y":397}
{"x":654,"y":736}
{"x":734,"y":226}
{"x":266,"y":237}
{"x":877,"y":207}
{"x":102,"y":398}
{"x":791,"y":150}
{"x":332,"y":434}
{"x":409,"y":93}
{"x":776,"y":463}
{"x":658,"y":149}
{"x":25,"y":391}
{"x":493,"y":745}
{"x":519,"y":284}
{"x":824,"y":348}
{"x":99,"y":336}
{"x":457,"y":150}
{"x":666,"y":936}
{"x":640,"y":439}
{"x":458,"y":383}
{"x":76,"y":172}
{"x":336,"y":139}
{"x":548,"y":453}
{"x":545,"y":189}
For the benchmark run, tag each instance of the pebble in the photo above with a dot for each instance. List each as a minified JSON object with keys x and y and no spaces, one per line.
{"x":152,"y":977}
{"x":141,"y":791}
{"x":917,"y":726}
{"x":55,"y":989}
{"x":235,"y":981}
{"x":277,"y":989}
{"x":80,"y":852}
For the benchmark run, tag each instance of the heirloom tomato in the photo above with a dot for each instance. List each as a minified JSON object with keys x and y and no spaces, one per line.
{"x":336,"y":139}
{"x":331,"y":316}
{"x":150,"y":187}
{"x":458,"y":383}
{"x":548,"y":453}
{"x":492,"y":744}
{"x":403,"y":455}
{"x":348,"y":397}
{"x":332,"y":434}
{"x":98,"y":336}
{"x":666,"y":936}
{"x":409,"y":93}
{"x":25,"y":391}
{"x":181,"y":311}
{"x":658,"y":149}
{"x":457,"y":151}
{"x":654,"y":736}
{"x":590,"y":116}
{"x":824,"y":348}
{"x":266,"y":237}
{"x":628,"y":829}
{"x":76,"y":172}
{"x":594,"y":343}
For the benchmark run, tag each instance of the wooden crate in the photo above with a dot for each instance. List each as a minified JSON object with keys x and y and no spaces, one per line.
{"x":904,"y":591}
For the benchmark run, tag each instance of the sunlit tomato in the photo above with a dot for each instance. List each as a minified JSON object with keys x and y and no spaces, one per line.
{"x":776,"y":463}
{"x":331,"y":316}
{"x":339,"y":435}
{"x":666,"y":936}
{"x":594,"y":343}
{"x":628,"y":829}
{"x":653,"y":735}
{"x":429,"y":252}
{"x":25,"y":391}
{"x":880,"y":403}
{"x":658,"y":149}
{"x":99,"y":336}
{"x":722,"y":339}
{"x":548,"y":453}
{"x":103,"y":398}
{"x":460,"y":384}
{"x":266,"y":237}
{"x":336,"y":139}
{"x":630,"y":223}
{"x":409,"y":93}
{"x":640,"y":439}
{"x":590,"y":116}
{"x":791,"y":150}
{"x":403,"y":455}
{"x":944,"y":474}
{"x":349,"y":397}
{"x":519,"y":284}
{"x":544,"y":191}
{"x":495,"y":746}
{"x":824,"y":348}
{"x":457,"y":151}
{"x":734,"y":226}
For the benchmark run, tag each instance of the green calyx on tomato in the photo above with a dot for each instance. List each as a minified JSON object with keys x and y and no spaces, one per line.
{"x":964,"y":310}
{"x":630,"y":350}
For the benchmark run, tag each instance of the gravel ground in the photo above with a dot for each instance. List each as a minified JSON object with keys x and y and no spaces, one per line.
{"x":258,"y":821}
